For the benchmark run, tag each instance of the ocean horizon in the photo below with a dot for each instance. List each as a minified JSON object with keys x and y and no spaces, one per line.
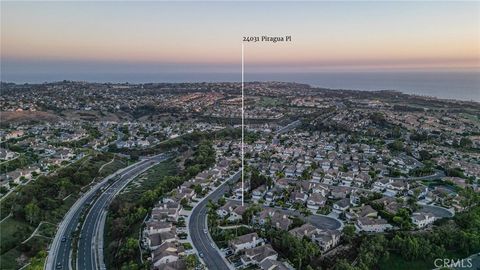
{"x":445,"y":85}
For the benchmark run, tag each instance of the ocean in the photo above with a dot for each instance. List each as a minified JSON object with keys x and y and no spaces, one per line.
{"x":446,"y":85}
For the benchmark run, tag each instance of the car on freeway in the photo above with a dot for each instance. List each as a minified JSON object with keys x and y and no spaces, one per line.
{"x":59,"y":266}
{"x":205,"y":230}
{"x":64,"y":239}
{"x":201,"y":255}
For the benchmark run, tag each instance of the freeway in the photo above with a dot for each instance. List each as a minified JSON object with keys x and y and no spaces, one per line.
{"x":197,"y":228}
{"x":90,"y":251}
{"x":288,"y":127}
{"x":60,"y":253}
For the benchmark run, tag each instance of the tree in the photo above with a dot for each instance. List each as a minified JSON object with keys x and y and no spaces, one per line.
{"x":397,"y":145}
{"x":378,"y":118}
{"x":465,"y":143}
{"x":249,"y":213}
{"x":37,"y":262}
{"x":128,"y":249}
{"x":148,"y":198}
{"x":191,"y":261}
{"x":131,"y":265}
{"x":425,"y":155}
{"x":402,"y":219}
{"x":32,"y":213}
{"x":299,"y":251}
{"x":348,"y":233}
{"x":257,"y":179}
{"x":222,"y":201}
{"x":198,"y":189}
{"x":343,"y":264}
{"x":184,"y":202}
{"x":412,"y":202}
{"x":371,"y":250}
{"x":470,"y":197}
{"x":396,"y":132}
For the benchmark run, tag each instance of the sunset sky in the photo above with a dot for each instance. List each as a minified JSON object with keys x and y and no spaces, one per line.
{"x":198,"y":37}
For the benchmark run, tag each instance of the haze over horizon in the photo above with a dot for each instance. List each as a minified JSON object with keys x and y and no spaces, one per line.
{"x":55,"y":39}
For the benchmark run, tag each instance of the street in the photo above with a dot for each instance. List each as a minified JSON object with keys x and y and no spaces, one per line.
{"x":437,"y":211}
{"x":59,"y":256}
{"x":197,"y":225}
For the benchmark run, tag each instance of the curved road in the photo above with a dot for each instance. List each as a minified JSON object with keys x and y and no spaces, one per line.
{"x":59,"y":255}
{"x":288,"y":127}
{"x":319,"y":221}
{"x":197,"y":226}
{"x":438,"y":211}
{"x":90,"y":244}
{"x":437,"y":175}
{"x":205,"y":245}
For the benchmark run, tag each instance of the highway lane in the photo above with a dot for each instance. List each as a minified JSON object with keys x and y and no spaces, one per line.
{"x":197,"y":227}
{"x":288,"y":127}
{"x":59,"y":255}
{"x":88,"y":256}
{"x":62,"y":260}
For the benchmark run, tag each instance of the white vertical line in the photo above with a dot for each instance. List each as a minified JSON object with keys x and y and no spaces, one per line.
{"x":243,"y":119}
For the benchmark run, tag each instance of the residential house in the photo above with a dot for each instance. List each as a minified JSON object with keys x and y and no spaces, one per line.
{"x":315,"y":201}
{"x":372,"y":224}
{"x":327,"y":239}
{"x":237,"y":213}
{"x":258,"y":193}
{"x":227,"y":208}
{"x":298,"y":197}
{"x":281,"y":221}
{"x":363,"y":211}
{"x":341,"y":205}
{"x":290,"y":171}
{"x":245,"y":242}
{"x":269,"y":264}
{"x":317,"y":175}
{"x":168,"y":210}
{"x":258,"y":254}
{"x":166,"y":253}
{"x":422,"y":219}
{"x":154,"y":227}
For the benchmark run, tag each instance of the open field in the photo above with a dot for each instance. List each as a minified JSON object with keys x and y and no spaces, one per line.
{"x":27,"y":117}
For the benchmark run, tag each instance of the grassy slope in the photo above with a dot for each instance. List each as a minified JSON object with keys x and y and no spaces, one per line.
{"x":146,"y":181}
